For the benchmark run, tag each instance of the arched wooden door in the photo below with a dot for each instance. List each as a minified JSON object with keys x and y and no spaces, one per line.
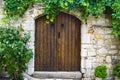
{"x":57,"y":45}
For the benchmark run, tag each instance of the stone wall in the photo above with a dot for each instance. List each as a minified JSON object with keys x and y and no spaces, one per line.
{"x":98,"y":46}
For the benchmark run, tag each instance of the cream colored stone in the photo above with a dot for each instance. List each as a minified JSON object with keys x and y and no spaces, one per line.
{"x":92,"y":52}
{"x":100,"y":59}
{"x":85,"y":38}
{"x":109,"y":66}
{"x":103,"y":51}
{"x":84,"y":29}
{"x":88,"y":64}
{"x":83,"y":70}
{"x":100,"y":42}
{"x":108,"y":59}
{"x":83,"y":63}
{"x":113,"y":51}
{"x":98,"y":36}
{"x":113,"y":46}
{"x":84,"y":52}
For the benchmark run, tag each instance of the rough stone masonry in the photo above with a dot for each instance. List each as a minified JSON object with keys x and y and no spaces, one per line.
{"x":98,"y":45}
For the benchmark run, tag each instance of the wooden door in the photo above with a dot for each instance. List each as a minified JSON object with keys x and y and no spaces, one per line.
{"x":57,"y":45}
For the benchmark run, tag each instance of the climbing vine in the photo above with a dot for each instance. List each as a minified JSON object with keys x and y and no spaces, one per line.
{"x":17,"y":8}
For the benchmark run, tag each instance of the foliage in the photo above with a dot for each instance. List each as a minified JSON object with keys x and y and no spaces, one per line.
{"x":16,"y":8}
{"x":101,"y":72}
{"x":13,"y":52}
{"x":116,"y":18}
{"x":52,"y":8}
{"x":116,"y":71}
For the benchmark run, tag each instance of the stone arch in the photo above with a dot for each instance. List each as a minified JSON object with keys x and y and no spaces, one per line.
{"x":29,"y":25}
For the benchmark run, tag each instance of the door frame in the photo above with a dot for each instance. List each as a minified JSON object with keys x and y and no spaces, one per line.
{"x":31,"y":22}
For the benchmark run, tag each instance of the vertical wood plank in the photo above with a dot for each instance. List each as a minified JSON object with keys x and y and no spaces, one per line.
{"x":49,"y":47}
{"x":79,"y":41}
{"x":66,"y":43}
{"x":73,"y":44}
{"x":41,"y":46}
{"x":62,"y":41}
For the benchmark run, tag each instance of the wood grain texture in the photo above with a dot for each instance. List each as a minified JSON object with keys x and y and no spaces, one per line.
{"x":57,"y":44}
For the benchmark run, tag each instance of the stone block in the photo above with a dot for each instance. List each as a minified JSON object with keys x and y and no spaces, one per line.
{"x":37,"y":13}
{"x":83,"y":70}
{"x":88,"y":64}
{"x":30,"y":71}
{"x":113,"y":51}
{"x":84,"y":52}
{"x":31,"y":63}
{"x":98,"y":30}
{"x":108,"y":41}
{"x":32,"y":37}
{"x":109,"y":66}
{"x":101,"y":21}
{"x":100,"y":42}
{"x":97,"y":78}
{"x":25,"y":79}
{"x":86,"y":79}
{"x":86,"y":46}
{"x":100,"y":59}
{"x":29,"y":25}
{"x":85,"y":38}
{"x":98,"y":36}
{"x":103,"y":51}
{"x":30,"y":45}
{"x":91,"y":52}
{"x":108,"y":36}
{"x":92,"y":59}
{"x":88,"y":73}
{"x":108,"y":59}
{"x":119,"y":52}
{"x":108,"y":31}
{"x":113,"y":46}
{"x":94,"y":21}
{"x":27,"y":17}
{"x":84,"y":29}
{"x":83,"y":63}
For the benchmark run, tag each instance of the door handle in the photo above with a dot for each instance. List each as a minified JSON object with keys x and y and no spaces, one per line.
{"x":58,"y":34}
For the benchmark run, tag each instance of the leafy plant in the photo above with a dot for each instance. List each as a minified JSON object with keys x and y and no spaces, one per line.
{"x":16,"y":8}
{"x":13,"y":52}
{"x":53,"y":7}
{"x":116,"y":71}
{"x":101,"y":72}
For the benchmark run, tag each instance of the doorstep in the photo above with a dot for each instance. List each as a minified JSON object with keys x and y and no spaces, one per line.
{"x":76,"y":75}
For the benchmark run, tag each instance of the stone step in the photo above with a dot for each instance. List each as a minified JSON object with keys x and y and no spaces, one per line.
{"x":53,"y":76}
{"x":58,"y":75}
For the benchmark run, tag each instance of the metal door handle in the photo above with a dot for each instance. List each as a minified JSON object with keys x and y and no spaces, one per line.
{"x":58,"y":34}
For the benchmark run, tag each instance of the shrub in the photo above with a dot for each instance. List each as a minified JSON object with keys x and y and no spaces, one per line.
{"x":13,"y":52}
{"x":116,"y":71}
{"x":101,"y":72}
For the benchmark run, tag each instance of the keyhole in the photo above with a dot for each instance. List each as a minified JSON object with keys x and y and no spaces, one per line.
{"x":62,"y":25}
{"x":52,"y":24}
{"x":58,"y":34}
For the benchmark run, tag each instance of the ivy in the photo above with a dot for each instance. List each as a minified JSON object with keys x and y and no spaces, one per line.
{"x":53,"y":7}
{"x":17,"y":8}
{"x":13,"y":52}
